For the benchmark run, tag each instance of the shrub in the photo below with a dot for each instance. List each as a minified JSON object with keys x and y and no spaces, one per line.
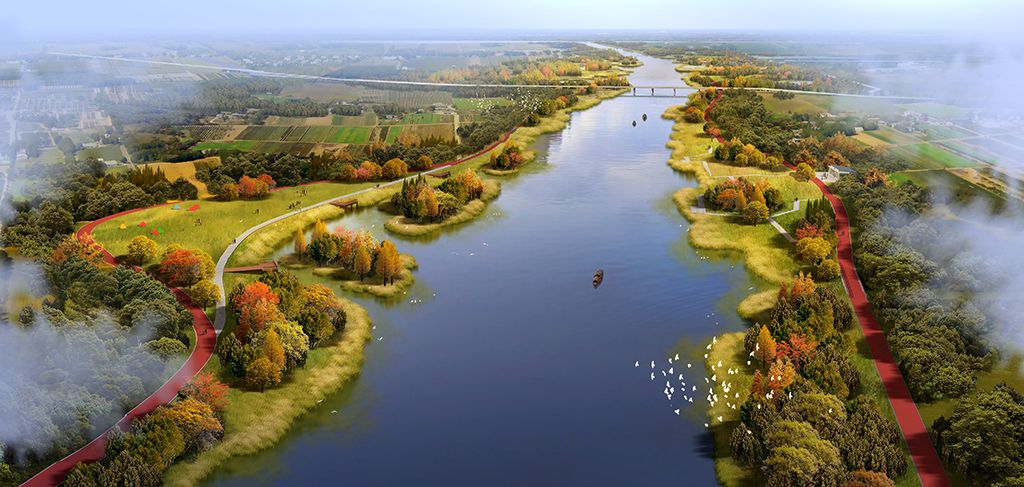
{"x":756,"y":212}
{"x":826,"y":270}
{"x":141,"y":250}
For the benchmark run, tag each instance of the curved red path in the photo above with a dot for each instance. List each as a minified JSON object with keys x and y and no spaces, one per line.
{"x":926,"y":459}
{"x":206,"y":339}
{"x":206,"y":342}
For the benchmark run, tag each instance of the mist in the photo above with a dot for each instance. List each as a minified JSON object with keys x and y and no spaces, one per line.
{"x":65,"y":383}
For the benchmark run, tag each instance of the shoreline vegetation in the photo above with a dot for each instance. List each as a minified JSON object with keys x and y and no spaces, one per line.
{"x":348,"y":282}
{"x":524,"y":136}
{"x":248,"y":430}
{"x":400,"y":225}
{"x":765,"y":252}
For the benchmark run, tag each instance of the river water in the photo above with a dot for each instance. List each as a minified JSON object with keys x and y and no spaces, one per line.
{"x":503,"y":366}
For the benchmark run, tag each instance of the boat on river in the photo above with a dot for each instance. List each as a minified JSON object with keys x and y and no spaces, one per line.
{"x":598,"y":277}
{"x":645,"y":117}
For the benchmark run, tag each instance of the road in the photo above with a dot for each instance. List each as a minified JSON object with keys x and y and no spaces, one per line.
{"x":908,"y":418}
{"x":257,"y":72}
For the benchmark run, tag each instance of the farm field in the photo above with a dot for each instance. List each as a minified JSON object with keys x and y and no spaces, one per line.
{"x":394,"y":132}
{"x":939,"y":110}
{"x":886,"y":134}
{"x":316,"y":133}
{"x":799,"y":104}
{"x":239,"y":145}
{"x":209,"y":132}
{"x":260,"y":132}
{"x":927,"y":156}
{"x":968,"y":149}
{"x":445,"y":131}
{"x":49,"y":155}
{"x":348,"y":135}
{"x":944,"y":132}
{"x":366,"y":119}
{"x":106,"y":152}
{"x":869,"y":141}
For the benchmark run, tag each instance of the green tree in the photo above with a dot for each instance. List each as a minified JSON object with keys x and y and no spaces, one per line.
{"x":166,"y":347}
{"x":204,"y":293}
{"x":128,"y":470}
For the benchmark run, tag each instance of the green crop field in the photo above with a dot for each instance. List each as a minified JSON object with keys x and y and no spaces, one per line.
{"x":394,"y":132}
{"x":927,"y":156}
{"x":966,"y":148}
{"x":239,"y":145}
{"x":937,"y":109}
{"x":106,"y":152}
{"x":348,"y":135}
{"x":944,"y":132}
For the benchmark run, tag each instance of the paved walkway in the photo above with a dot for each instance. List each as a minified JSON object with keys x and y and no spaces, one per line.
{"x":926,"y":459}
{"x":206,"y":331}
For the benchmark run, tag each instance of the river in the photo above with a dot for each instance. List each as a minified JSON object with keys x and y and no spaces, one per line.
{"x":502,"y":365}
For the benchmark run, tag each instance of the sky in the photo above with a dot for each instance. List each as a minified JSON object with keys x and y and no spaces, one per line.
{"x":97,"y":19}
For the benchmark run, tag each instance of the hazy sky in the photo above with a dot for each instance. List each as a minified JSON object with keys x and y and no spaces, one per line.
{"x":43,"y":20}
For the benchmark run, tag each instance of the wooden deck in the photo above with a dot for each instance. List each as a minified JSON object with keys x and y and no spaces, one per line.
{"x":441,"y":175}
{"x":346,"y":203}
{"x":264,"y":267}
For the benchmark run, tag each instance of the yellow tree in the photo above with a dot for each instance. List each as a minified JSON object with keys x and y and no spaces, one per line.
{"x":764,"y":352}
{"x":388,"y":263}
{"x":273,"y":349}
{"x":319,"y":229}
{"x":262,"y":373}
{"x":300,"y":242}
{"x":193,"y":418}
{"x":361,"y":262}
{"x":781,"y":375}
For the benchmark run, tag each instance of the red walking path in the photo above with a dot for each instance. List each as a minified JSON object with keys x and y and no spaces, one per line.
{"x":206,"y":342}
{"x":926,"y":459}
{"x":206,"y":339}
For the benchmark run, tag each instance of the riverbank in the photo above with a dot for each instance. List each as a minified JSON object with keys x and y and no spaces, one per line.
{"x":766,"y":253}
{"x":728,"y":352}
{"x":400,"y":225}
{"x":556,"y":122}
{"x":248,"y":428}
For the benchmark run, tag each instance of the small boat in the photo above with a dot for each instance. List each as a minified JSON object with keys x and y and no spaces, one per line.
{"x":645,"y":117}
{"x":598,"y":277}
{"x":634,"y":123}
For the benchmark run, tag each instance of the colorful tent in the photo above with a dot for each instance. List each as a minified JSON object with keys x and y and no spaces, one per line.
{"x":193,"y":208}
{"x":176,"y":207}
{"x":123,"y":226}
{"x":154,"y":232}
{"x":160,"y":231}
{"x":142,"y":224}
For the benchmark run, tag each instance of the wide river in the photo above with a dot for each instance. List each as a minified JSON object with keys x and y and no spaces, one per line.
{"x":503,"y":366}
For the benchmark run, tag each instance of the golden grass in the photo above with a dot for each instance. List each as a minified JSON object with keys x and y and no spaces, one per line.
{"x":755,"y":307}
{"x":187,"y":170}
{"x":401,"y":225}
{"x":255,"y":421}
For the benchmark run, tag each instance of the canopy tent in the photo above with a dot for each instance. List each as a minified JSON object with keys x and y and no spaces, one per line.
{"x":193,"y":208}
{"x":123,"y":226}
{"x":142,"y":224}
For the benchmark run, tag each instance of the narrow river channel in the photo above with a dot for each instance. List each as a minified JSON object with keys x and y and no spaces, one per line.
{"x":502,"y":365}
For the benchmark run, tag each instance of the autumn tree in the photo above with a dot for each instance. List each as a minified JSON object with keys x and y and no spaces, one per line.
{"x":300,"y":243}
{"x":228,"y":192}
{"x":804,"y":172}
{"x":875,"y":177}
{"x":262,"y":373}
{"x":422,"y":163}
{"x":141,"y":250}
{"x":798,"y":349}
{"x":319,"y":229}
{"x":257,"y":317}
{"x":181,"y":268}
{"x":755,"y":212}
{"x":252,"y":188}
{"x":267,"y":180}
{"x":833,"y":158}
{"x":780,"y":375}
{"x":251,"y":294}
{"x":803,"y":285}
{"x":765,"y":351}
{"x":867,"y":478}
{"x":206,"y":388}
{"x":813,"y":249}
{"x":362,"y":261}
{"x":196,"y":421}
{"x":394,"y":169}
{"x":827,"y":270}
{"x":389,"y":262}
{"x":204,"y":293}
{"x":272,"y":348}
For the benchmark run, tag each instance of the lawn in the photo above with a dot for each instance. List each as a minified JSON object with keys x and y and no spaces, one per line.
{"x":105,"y":152}
{"x":929,"y":156}
{"x":348,"y":135}
{"x":221,"y":221}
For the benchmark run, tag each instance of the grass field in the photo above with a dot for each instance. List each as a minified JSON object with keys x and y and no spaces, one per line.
{"x":799,"y":104}
{"x":945,"y":132}
{"x":106,"y":152}
{"x":928,"y":156}
{"x":49,"y":155}
{"x":221,"y":220}
{"x":239,"y":145}
{"x":939,"y":110}
{"x":263,"y":132}
{"x":367,"y":119}
{"x":969,"y":149}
